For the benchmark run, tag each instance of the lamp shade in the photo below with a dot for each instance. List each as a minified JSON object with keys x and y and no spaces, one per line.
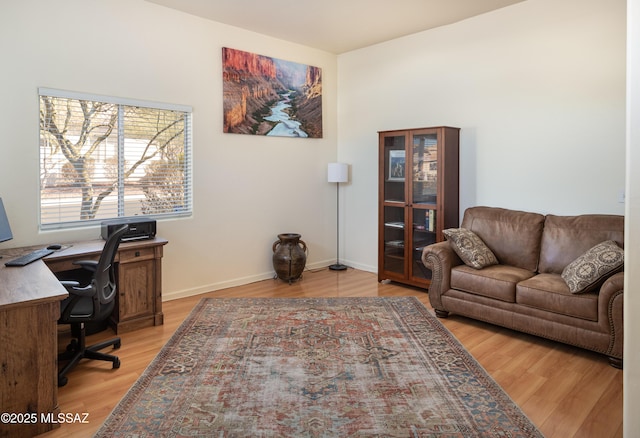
{"x":338,"y":172}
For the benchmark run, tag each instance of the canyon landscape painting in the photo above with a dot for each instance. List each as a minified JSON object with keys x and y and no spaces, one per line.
{"x":269,"y":96}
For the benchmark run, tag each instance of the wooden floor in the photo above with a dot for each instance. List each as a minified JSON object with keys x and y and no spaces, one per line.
{"x":565,"y":391}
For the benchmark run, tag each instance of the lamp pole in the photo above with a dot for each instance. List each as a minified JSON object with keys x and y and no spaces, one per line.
{"x":338,"y":172}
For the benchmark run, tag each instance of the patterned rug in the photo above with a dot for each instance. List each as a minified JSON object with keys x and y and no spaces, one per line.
{"x":328,"y":367}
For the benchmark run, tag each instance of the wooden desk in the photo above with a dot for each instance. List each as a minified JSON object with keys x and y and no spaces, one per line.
{"x":139,"y":278}
{"x":29,"y":310}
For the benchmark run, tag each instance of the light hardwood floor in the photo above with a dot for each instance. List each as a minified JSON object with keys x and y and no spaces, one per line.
{"x":565,"y":391}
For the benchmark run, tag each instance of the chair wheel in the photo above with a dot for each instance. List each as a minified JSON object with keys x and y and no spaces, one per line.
{"x":116,"y":363}
{"x":62,"y":380}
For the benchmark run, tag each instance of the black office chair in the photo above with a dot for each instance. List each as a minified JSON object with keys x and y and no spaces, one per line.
{"x":90,"y":302}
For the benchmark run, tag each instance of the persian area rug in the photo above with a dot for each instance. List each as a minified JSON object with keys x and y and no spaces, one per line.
{"x":321,"y":367}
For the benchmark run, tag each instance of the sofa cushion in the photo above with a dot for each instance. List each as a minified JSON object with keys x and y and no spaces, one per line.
{"x":565,"y":238}
{"x":513,"y":236}
{"x":496,"y":281}
{"x":470,"y":248}
{"x":549,"y":292}
{"x":593,"y":267}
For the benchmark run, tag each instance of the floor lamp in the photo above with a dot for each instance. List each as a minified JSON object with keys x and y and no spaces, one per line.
{"x":338,"y":173}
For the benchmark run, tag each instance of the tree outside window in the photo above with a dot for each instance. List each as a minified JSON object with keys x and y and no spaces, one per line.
{"x":106,"y":159}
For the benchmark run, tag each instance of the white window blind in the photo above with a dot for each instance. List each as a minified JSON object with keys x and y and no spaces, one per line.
{"x":104,"y":158}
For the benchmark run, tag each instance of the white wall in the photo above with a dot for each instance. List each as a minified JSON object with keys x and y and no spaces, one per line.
{"x":247,"y":189}
{"x":538,"y":89}
{"x":632,"y":227}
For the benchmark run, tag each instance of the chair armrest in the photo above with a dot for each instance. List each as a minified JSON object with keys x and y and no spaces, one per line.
{"x":76,"y":293}
{"x":89,"y":265}
{"x":69,"y":283}
{"x":610,"y":309}
{"x":440,"y":258}
{"x":73,"y":287}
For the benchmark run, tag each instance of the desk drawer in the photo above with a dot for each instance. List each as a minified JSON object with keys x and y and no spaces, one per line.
{"x":135,"y":255}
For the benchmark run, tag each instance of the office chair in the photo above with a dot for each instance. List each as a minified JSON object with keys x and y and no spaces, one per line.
{"x":92,"y":302}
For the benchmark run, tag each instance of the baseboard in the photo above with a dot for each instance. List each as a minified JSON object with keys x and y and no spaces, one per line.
{"x":360,"y":266}
{"x":241,"y":281}
{"x":184,"y":293}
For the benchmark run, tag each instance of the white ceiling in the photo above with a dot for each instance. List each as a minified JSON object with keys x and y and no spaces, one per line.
{"x":336,"y":26}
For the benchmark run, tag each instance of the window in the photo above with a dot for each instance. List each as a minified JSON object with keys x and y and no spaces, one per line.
{"x":104,"y":158}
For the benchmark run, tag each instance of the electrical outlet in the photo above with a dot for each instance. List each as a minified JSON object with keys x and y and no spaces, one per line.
{"x":621,"y":196}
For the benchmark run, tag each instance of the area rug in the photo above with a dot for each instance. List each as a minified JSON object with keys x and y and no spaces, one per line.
{"x":315,"y":367}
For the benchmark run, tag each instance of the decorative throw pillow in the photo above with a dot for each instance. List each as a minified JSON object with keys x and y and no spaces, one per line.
{"x":470,"y":248}
{"x":585,"y":272}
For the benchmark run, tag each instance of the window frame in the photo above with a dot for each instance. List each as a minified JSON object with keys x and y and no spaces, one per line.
{"x":188,"y":153}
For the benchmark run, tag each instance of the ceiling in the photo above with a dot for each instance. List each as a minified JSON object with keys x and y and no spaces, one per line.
{"x":336,"y":26}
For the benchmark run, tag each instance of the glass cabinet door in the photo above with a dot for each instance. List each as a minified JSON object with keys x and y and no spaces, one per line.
{"x":394,"y":168}
{"x":394,"y":239}
{"x":423,"y":233}
{"x":425,"y":168}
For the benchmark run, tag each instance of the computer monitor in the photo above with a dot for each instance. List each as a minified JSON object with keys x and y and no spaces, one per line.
{"x":5,"y":229}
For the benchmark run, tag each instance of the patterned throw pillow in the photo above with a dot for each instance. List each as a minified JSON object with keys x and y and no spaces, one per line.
{"x":470,"y":248}
{"x":585,"y":272}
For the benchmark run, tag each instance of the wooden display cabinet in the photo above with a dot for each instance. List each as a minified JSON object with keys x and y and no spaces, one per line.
{"x":418,"y":198}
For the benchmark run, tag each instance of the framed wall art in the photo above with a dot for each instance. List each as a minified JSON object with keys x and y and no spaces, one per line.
{"x":269,"y":96}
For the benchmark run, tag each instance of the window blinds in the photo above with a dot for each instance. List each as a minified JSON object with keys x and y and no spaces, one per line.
{"x":103,"y":158}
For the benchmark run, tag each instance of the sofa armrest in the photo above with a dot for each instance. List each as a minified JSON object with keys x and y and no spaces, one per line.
{"x":440,"y":258}
{"x":610,"y":309}
{"x":612,"y":285}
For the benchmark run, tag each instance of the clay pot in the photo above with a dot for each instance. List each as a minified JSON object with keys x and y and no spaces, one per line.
{"x":289,"y":256}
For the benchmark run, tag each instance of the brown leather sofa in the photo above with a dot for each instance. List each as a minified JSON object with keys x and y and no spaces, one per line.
{"x":525,"y":290}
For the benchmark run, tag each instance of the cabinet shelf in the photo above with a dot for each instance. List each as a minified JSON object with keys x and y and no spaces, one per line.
{"x":418,"y":198}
